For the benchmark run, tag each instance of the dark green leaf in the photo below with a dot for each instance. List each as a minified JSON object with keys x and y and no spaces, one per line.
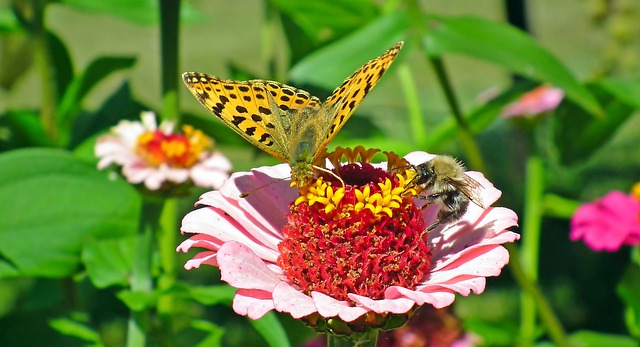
{"x":628,"y":291}
{"x":330,"y":65}
{"x":118,"y":106}
{"x":270,"y":328}
{"x":57,"y":203}
{"x":577,"y":135}
{"x":214,"y":338}
{"x":109,"y":261}
{"x":508,"y":47}
{"x":81,"y":86}
{"x":626,"y":90}
{"x":62,"y":65}
{"x":23,"y":129}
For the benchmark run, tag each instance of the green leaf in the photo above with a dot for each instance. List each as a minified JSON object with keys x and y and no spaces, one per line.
{"x":109,"y":261}
{"x":628,"y":290}
{"x":508,"y":47}
{"x":24,"y":129}
{"x":138,"y":301}
{"x":270,"y":328}
{"x":145,"y":12}
{"x":330,"y":65}
{"x":596,"y":339}
{"x":577,"y":135}
{"x":626,"y":90}
{"x":326,"y":20}
{"x":61,"y":63}
{"x":211,"y":295}
{"x":214,"y":339}
{"x":70,"y":327}
{"x":8,"y":21}
{"x":478,"y":119}
{"x":81,"y":85}
{"x":119,"y":105}
{"x":57,"y":202}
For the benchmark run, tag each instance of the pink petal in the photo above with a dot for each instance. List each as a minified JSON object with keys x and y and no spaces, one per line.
{"x":252,"y":303}
{"x":293,"y":301}
{"x":243,"y":269}
{"x":221,"y":228}
{"x":397,"y":306}
{"x":328,"y":306}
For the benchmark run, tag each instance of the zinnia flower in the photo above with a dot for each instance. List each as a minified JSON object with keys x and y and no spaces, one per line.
{"x":541,"y":99}
{"x":610,"y":222}
{"x":358,"y":252}
{"x":158,"y":155}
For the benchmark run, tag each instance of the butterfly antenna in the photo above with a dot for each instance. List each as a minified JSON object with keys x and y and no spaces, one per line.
{"x":244,"y":195}
{"x":330,"y":173}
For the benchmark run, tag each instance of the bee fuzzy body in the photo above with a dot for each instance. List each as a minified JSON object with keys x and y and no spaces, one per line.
{"x":445,"y":182}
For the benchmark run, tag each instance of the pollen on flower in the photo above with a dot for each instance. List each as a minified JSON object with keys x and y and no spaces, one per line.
{"x":173,"y":149}
{"x":361,"y":238}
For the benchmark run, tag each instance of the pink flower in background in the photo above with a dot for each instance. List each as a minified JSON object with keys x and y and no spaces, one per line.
{"x":608,"y":223}
{"x":541,"y":99}
{"x":158,"y":155}
{"x":344,"y":252}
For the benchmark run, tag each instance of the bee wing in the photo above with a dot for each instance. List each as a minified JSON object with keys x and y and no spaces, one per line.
{"x":471,"y":189}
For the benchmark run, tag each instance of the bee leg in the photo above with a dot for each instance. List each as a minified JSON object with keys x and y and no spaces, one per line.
{"x":431,"y":199}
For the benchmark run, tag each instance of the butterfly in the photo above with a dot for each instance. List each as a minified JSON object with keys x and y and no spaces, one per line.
{"x":286,"y":122}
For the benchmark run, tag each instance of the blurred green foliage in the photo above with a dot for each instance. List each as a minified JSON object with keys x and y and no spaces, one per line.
{"x":71,"y":69}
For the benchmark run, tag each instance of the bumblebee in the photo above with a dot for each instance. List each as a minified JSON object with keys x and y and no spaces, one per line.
{"x":444,"y":180}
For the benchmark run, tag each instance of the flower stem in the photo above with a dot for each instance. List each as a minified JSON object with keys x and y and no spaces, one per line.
{"x":416,"y":124}
{"x":47,"y":74}
{"x":534,"y":190}
{"x":469,"y":143}
{"x":547,"y":316}
{"x":169,"y":28}
{"x":141,"y":280}
{"x":167,"y":241}
{"x":366,"y":339}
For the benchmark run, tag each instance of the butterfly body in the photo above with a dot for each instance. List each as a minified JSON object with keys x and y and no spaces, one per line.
{"x":286,"y":122}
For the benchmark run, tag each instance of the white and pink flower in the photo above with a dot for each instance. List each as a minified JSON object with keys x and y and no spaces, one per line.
{"x":250,"y":241}
{"x":156,"y":155}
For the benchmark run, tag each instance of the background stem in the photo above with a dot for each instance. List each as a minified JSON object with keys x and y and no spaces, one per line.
{"x":169,"y":30}
{"x":141,"y":280}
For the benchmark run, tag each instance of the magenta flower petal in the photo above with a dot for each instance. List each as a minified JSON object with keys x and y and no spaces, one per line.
{"x":608,"y":223}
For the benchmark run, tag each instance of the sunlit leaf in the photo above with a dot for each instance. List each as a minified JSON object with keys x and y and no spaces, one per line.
{"x":57,"y":202}
{"x":109,"y":261}
{"x":508,"y":47}
{"x":271,"y":330}
{"x":330,"y":65}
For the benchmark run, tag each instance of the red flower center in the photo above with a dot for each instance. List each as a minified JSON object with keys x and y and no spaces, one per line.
{"x":361,"y":238}
{"x":176,"y":150}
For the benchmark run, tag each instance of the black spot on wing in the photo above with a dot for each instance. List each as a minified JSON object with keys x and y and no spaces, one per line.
{"x":264,"y":110}
{"x":237,"y":120}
